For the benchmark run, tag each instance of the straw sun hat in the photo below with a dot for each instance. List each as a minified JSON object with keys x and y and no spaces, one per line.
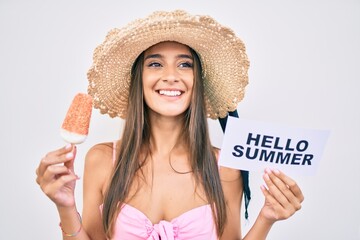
{"x":222,"y":55}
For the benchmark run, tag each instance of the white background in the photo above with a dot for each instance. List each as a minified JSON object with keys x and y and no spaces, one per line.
{"x":304,"y":72}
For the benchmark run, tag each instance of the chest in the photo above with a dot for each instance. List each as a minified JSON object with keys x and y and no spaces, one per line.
{"x":164,"y":195}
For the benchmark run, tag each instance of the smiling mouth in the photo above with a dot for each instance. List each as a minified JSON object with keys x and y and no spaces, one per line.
{"x":170,"y":93}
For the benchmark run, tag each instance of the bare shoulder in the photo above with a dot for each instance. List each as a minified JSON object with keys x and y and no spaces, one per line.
{"x":100,"y":152}
{"x":231,"y":183}
{"x":100,"y":155}
{"x":99,"y":163}
{"x":97,"y":172}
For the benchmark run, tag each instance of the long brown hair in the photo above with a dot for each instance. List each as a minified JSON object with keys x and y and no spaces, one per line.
{"x":136,"y":142}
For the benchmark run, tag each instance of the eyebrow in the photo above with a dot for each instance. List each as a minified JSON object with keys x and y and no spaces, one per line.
{"x":156,"y":55}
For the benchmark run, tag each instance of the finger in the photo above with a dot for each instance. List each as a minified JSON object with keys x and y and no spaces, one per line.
{"x":292,"y":185}
{"x":270,"y":200}
{"x":64,"y":179}
{"x":274,"y":190}
{"x":37,"y":176}
{"x":55,"y":157}
{"x":61,"y":151}
{"x":70,"y":164}
{"x":278,"y":212}
{"x":268,"y":196}
{"x":293,"y":202}
{"x":51,"y":189}
{"x":53,"y":171}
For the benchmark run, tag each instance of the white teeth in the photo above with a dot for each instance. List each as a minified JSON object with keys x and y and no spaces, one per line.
{"x":170,"y":93}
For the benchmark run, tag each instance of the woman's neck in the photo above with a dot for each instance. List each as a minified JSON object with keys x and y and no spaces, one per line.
{"x":165,"y":134}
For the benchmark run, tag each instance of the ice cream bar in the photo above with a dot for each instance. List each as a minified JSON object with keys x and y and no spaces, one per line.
{"x":75,"y":127}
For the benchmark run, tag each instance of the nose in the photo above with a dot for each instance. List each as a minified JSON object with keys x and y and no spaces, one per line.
{"x":170,"y":74}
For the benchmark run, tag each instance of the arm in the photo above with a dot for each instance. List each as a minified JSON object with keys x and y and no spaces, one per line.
{"x":56,"y":177}
{"x":283,"y":198}
{"x":232,"y":185}
{"x":97,"y":171}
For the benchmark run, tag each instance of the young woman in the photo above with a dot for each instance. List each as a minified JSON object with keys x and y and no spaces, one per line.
{"x":165,"y":75}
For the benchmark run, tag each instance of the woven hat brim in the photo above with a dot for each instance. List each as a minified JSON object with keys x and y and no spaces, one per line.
{"x":222,"y":55}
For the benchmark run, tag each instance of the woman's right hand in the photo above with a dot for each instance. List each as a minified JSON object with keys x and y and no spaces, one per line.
{"x":56,"y":177}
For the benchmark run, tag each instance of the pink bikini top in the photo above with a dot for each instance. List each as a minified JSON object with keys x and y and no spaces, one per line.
{"x":195,"y":224}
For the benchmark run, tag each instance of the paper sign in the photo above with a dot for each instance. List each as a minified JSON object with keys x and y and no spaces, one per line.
{"x":254,"y":146}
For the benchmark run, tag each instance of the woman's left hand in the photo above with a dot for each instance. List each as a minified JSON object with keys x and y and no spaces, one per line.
{"x":283,"y":197}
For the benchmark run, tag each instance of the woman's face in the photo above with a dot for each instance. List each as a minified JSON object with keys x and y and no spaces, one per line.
{"x":168,"y":78}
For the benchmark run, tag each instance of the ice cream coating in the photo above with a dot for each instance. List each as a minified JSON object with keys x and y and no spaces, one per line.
{"x":77,"y":119}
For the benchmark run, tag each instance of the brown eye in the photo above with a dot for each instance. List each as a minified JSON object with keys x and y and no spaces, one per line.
{"x":154,"y":64}
{"x":186,"y":65}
